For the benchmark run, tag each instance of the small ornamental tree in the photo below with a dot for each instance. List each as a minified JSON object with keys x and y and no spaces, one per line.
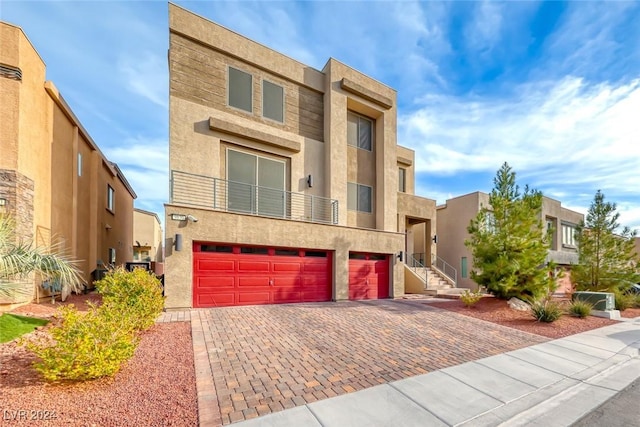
{"x":606,"y":255}
{"x":508,"y":242}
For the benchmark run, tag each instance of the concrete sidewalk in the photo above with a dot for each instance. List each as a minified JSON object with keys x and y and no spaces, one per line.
{"x":549,"y":384}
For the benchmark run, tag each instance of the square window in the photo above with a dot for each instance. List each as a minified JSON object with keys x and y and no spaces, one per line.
{"x":240,"y":90}
{"x":359,"y":197}
{"x":272,"y":101}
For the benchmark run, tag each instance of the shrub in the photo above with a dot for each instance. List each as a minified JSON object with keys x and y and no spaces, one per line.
{"x":636,"y":301}
{"x":546,"y":310}
{"x":580,"y":309}
{"x":133,"y":297}
{"x":624,"y":301}
{"x":86,"y":346}
{"x":95,"y":344}
{"x":469,"y":298}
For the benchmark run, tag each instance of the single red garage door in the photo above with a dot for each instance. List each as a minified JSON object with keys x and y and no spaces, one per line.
{"x":225,"y":275}
{"x":368,"y":276}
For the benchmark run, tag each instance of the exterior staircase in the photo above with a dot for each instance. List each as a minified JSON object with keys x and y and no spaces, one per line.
{"x":434,"y":282}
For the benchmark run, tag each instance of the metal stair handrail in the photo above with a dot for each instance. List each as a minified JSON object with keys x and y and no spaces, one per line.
{"x":419,"y":269}
{"x":445,"y":268}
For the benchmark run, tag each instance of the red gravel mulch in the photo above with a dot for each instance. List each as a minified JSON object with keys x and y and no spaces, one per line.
{"x":630,"y":313}
{"x":157,"y":387}
{"x":498,"y":311}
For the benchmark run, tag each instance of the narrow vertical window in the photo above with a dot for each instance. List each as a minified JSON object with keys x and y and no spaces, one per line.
{"x":111,"y":198}
{"x":359,"y":131}
{"x":240,"y":90}
{"x":402,"y":180}
{"x":463,"y":267}
{"x":272,"y":101}
{"x":79,"y":164}
{"x":112,"y":255}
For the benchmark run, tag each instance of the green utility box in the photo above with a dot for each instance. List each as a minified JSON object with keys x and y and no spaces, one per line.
{"x":603,"y":301}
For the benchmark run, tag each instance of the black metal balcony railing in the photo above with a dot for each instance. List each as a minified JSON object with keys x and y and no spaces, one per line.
{"x":229,"y":196}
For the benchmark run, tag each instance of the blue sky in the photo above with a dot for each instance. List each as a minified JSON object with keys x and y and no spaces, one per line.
{"x":551,"y":88}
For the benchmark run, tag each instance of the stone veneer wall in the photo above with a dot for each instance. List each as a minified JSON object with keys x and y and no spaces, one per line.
{"x":18,"y":191}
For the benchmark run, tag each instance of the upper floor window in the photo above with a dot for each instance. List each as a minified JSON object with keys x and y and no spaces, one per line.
{"x":359,"y":131}
{"x":240,"y":90}
{"x":359,"y":197}
{"x":402,"y":180}
{"x":111,"y":198}
{"x":568,"y":235}
{"x":272,"y":101}
{"x":256,"y":184}
{"x":79,"y":164}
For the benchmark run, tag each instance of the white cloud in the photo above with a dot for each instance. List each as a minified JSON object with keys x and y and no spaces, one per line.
{"x":145,"y":74}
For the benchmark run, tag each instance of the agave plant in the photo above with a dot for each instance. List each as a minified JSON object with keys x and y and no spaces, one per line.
{"x":20,"y":259}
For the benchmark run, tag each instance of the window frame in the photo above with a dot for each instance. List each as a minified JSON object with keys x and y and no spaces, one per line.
{"x":229,"y":68}
{"x":372,"y":133}
{"x":402,"y":180}
{"x":568,"y":241}
{"x":254,"y":205}
{"x":359,"y":186}
{"x":111,"y":199}
{"x":283,"y":101}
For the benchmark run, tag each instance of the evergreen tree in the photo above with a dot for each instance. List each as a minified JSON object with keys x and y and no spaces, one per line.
{"x":508,"y":241}
{"x":606,"y":257}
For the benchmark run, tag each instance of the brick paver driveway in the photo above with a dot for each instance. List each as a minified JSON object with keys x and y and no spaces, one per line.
{"x":268,"y":358}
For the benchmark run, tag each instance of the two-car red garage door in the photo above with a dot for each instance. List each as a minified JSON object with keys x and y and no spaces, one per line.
{"x":225,"y":275}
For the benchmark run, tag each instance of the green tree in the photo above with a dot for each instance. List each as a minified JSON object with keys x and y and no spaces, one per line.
{"x":19,"y":260}
{"x":606,"y":256}
{"x":508,"y":241}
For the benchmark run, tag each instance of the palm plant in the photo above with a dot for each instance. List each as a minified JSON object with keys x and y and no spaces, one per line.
{"x":20,"y":259}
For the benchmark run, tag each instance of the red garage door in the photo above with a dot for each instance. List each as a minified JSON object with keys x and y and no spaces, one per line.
{"x":368,"y":276}
{"x":226,"y":275}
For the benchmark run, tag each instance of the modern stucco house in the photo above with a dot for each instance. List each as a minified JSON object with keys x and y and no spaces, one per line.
{"x":287,"y":183}
{"x":454,"y":217}
{"x":54,"y":180}
{"x":148,"y":240}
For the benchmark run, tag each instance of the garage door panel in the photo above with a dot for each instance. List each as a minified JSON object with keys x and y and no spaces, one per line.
{"x":216,"y":300}
{"x":315,"y":266}
{"x":204,"y":265}
{"x":254,"y":297}
{"x":287,"y":295}
{"x":244,"y":266}
{"x":287,"y":267}
{"x":220,"y":282}
{"x":286,"y":281}
{"x":253,"y":280}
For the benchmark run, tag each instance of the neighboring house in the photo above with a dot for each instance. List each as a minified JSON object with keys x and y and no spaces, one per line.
{"x":147,"y":239}
{"x":454,"y":217}
{"x":287,"y":184}
{"x":54,"y":180}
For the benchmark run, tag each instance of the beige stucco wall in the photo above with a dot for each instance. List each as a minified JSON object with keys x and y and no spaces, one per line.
{"x":148,"y":232}
{"x":222,"y":227}
{"x":41,"y":137}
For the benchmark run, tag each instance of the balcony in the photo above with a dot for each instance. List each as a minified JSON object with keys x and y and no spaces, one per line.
{"x":228,"y":196}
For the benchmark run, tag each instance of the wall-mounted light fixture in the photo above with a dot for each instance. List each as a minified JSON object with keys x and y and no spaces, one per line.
{"x":177,"y":242}
{"x":3,"y":202}
{"x":435,"y":238}
{"x":310,"y":181}
{"x":399,"y":256}
{"x":178,"y":217}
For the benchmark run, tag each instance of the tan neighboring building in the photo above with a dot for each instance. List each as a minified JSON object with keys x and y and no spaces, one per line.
{"x":287,"y":184}
{"x":53,"y":178}
{"x":455,"y":215}
{"x":147,"y":239}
